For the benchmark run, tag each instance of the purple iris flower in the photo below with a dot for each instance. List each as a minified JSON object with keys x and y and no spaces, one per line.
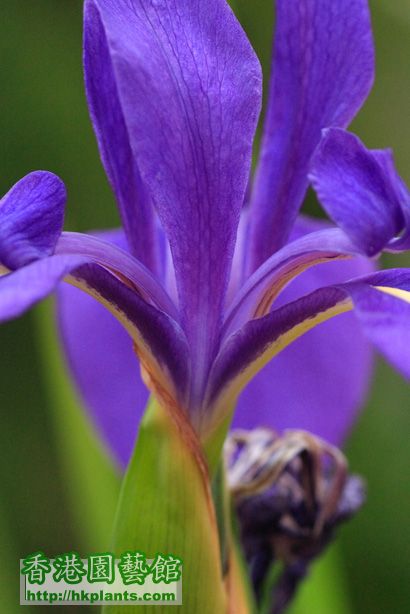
{"x":214,"y":273}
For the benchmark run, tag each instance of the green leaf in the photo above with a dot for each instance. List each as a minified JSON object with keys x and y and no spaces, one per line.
{"x":166,"y":506}
{"x":325,"y":590}
{"x":91,"y":481}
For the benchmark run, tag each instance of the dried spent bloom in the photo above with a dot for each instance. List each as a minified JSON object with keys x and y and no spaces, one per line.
{"x":290,"y":492}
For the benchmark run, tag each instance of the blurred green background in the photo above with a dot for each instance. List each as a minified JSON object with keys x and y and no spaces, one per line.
{"x":51,"y":481}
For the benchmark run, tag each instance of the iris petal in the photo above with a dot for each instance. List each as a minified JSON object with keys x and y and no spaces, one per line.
{"x":31,"y":219}
{"x":113,"y":140}
{"x":383,"y":316}
{"x":322,"y":72}
{"x":159,"y":341}
{"x":189,"y":86}
{"x":307,"y":385}
{"x":360,"y":190}
{"x":256,"y":296}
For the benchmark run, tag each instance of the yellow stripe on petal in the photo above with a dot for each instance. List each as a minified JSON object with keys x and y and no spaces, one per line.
{"x":238,"y":383}
{"x":154,"y":375}
{"x":289,"y":274}
{"x":404,"y":295}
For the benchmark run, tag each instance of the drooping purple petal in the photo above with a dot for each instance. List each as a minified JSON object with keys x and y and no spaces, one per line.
{"x":386,"y":160}
{"x":188,"y":84}
{"x":159,"y":341}
{"x":116,"y":259}
{"x":113,"y":139}
{"x":31,"y":219}
{"x":308,"y":385}
{"x":360,"y":190}
{"x":104,"y":368}
{"x":322,"y":73}
{"x":384,"y":320}
{"x":21,"y":289}
{"x":109,"y":381}
{"x":249,"y":349}
{"x":385,"y":316}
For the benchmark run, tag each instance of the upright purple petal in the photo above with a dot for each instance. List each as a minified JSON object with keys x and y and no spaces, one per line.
{"x":308,"y":385}
{"x":31,"y":219}
{"x":360,"y":190}
{"x":104,"y":368}
{"x":113,"y":139}
{"x":188,"y":83}
{"x":322,"y":72}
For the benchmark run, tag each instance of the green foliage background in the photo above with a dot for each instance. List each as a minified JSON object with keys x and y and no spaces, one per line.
{"x":44,"y":124}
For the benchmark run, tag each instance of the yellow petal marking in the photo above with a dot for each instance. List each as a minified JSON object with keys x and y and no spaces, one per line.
{"x":159,"y":379}
{"x":404,"y":295}
{"x":271,"y":293}
{"x":233,"y":389}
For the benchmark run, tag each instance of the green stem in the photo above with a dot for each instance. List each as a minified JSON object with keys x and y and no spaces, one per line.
{"x":166,"y":507}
